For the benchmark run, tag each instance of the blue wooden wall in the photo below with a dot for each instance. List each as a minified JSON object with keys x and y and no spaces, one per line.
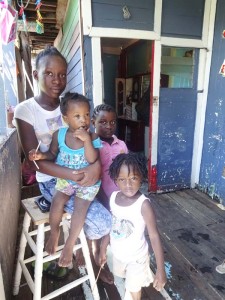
{"x":109,"y":14}
{"x":181,"y":18}
{"x":213,"y":159}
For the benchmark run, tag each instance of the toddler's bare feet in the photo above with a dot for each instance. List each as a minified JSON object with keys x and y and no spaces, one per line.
{"x":52,"y":242}
{"x":66,"y":256}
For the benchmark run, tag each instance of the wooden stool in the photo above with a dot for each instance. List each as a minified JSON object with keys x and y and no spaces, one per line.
{"x":33,"y":213}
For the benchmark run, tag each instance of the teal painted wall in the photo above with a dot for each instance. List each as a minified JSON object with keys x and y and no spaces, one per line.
{"x":70,"y":47}
{"x":110,"y":70}
{"x":138,"y":58}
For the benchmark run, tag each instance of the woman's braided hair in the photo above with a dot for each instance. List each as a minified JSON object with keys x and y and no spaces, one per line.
{"x":136,"y":161}
{"x":48,"y":51}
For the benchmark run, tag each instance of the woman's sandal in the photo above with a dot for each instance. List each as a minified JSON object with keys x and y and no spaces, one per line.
{"x":53,"y":270}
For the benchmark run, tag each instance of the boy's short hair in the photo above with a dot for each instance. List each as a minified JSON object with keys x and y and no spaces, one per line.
{"x":102,"y":107}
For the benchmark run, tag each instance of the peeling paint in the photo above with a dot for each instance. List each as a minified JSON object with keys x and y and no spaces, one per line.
{"x":168,"y":268}
{"x":217,"y":137}
{"x":175,"y":295}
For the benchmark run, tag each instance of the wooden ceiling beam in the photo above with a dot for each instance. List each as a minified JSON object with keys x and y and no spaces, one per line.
{"x":42,"y":39}
{"x":43,"y":9}
{"x":48,"y":3}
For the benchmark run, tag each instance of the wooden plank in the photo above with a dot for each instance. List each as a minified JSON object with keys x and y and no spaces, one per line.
{"x":186,"y":281}
{"x":199,"y":255}
{"x":196,"y":208}
{"x":149,"y":293}
{"x":179,"y":284}
{"x":183,"y":223}
{"x":206,"y":200}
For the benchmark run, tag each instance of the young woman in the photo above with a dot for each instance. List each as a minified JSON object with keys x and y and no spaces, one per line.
{"x":36,"y":119}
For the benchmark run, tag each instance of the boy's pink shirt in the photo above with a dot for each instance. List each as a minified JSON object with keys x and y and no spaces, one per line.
{"x":107,"y":153}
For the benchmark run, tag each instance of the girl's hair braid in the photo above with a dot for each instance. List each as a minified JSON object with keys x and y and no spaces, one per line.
{"x":48,"y":51}
{"x":72,"y":97}
{"x":138,"y":162}
{"x":102,"y":107}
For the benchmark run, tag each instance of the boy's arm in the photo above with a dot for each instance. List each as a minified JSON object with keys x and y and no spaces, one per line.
{"x":103,"y":249}
{"x":149,"y":217}
{"x":101,"y":196}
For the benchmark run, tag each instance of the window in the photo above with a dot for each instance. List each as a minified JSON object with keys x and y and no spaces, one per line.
{"x":178,"y":65}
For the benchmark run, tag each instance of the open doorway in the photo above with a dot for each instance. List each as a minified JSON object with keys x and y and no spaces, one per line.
{"x":126,"y":78}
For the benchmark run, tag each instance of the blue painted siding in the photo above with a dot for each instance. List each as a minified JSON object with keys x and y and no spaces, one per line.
{"x":213,"y":158}
{"x":175,"y":138}
{"x":109,"y":14}
{"x":181,"y":18}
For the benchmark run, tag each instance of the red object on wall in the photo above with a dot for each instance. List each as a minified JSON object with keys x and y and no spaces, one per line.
{"x":153,"y":181}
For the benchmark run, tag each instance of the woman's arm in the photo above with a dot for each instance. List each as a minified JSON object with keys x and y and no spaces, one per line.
{"x":149,"y":217}
{"x":51,"y":154}
{"x":88,"y":176}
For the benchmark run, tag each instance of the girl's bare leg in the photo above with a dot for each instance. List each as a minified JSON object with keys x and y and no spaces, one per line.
{"x":55,"y":217}
{"x":136,"y":296}
{"x":77,"y":222}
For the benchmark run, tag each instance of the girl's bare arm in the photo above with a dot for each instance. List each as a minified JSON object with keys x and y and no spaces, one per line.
{"x":150,"y":220}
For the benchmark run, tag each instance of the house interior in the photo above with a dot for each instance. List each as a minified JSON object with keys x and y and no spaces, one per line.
{"x":127,"y":73}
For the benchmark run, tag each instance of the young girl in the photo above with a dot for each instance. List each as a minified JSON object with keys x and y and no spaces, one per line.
{"x":104,"y":120}
{"x":131,"y":212}
{"x":74,"y":147}
{"x":36,"y":119}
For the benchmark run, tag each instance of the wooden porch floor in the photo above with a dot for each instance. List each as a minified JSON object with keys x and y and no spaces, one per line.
{"x":192,"y":229}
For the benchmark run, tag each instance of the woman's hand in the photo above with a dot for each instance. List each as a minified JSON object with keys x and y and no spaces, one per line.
{"x":91,"y":174}
{"x":35,"y":155}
